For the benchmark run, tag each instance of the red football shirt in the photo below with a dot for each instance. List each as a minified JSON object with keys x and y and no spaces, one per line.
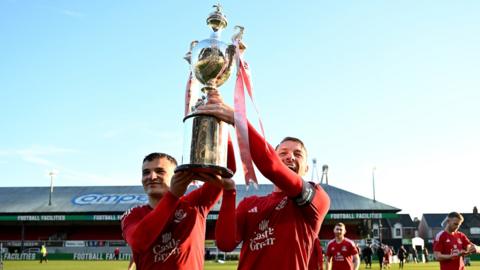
{"x":316,"y":259}
{"x":446,"y":243}
{"x":172,"y":235}
{"x":341,"y":254}
{"x":387,"y":255}
{"x":276,"y":232}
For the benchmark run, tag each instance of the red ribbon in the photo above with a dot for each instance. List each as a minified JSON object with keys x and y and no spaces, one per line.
{"x":241,"y":124}
{"x":188,"y":95}
{"x":188,"y":105}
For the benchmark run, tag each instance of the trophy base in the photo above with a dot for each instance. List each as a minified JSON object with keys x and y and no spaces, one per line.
{"x":203,"y":168}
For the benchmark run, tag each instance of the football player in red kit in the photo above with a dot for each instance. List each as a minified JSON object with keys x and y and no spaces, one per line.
{"x":169,"y":231}
{"x":342,"y":253}
{"x":450,"y":245}
{"x":279,"y":230}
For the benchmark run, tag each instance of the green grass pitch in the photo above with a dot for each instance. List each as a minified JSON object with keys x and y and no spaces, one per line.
{"x":122,"y":265}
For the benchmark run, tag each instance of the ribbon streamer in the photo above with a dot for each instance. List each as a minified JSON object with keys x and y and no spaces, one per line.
{"x":241,"y":125}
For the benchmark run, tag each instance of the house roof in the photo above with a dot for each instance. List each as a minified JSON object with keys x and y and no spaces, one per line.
{"x":435,"y":220}
{"x":403,"y":219}
{"x":342,"y":200}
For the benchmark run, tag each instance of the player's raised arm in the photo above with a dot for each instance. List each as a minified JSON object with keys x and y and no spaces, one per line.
{"x":264,"y":156}
{"x":227,"y":231}
{"x":141,"y":231}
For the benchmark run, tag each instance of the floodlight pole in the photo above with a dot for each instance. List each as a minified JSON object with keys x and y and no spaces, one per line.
{"x":315,"y":177}
{"x":52,"y":174}
{"x":373,"y":182}
{"x":325,"y":174}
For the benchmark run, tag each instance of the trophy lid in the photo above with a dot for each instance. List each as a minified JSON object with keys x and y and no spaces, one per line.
{"x":216,"y":20}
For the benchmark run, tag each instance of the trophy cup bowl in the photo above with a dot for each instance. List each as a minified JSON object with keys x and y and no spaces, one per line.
{"x":212,"y":62}
{"x":206,"y":137}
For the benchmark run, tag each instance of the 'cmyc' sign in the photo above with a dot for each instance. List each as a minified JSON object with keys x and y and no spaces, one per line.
{"x":96,"y":198}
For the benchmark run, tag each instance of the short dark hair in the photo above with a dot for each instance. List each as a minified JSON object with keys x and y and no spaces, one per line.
{"x":157,"y":155}
{"x":293,"y":139}
{"x":455,"y":215}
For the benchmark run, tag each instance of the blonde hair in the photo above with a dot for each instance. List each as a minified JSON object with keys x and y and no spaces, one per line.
{"x":340,"y":224}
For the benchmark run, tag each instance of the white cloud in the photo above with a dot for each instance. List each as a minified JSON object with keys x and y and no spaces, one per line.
{"x":64,"y":11}
{"x":71,"y":13}
{"x":36,"y":154}
{"x":111,"y":134}
{"x":68,"y":177}
{"x":141,"y":129}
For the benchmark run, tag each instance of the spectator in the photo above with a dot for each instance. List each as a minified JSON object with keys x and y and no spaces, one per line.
{"x":425,"y":253}
{"x":116,"y":253}
{"x":402,"y":253}
{"x":367,"y":253}
{"x":43,"y":254}
{"x":380,"y":255}
{"x":414,"y":255}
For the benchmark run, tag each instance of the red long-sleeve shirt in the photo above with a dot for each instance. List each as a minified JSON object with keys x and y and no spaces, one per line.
{"x":276,"y":232}
{"x":172,"y":235}
{"x":341,"y":254}
{"x":447,"y":243}
{"x":316,"y":259}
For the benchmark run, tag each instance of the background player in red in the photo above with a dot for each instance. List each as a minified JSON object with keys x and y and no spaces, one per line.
{"x":169,"y":231}
{"x":342,"y":253}
{"x":116,"y":253}
{"x":450,"y":245}
{"x":387,"y":256}
{"x":278,"y":230}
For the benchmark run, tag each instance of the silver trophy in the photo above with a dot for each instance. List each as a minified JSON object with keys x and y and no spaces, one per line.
{"x":206,"y":137}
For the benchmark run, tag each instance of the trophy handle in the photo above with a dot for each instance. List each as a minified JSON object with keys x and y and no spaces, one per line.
{"x":238,"y":37}
{"x":188,"y":55}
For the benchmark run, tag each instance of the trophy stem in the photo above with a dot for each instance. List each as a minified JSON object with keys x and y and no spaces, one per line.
{"x":206,"y":145}
{"x":212,"y":94}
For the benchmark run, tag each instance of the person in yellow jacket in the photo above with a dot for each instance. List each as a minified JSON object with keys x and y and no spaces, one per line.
{"x":43,"y":254}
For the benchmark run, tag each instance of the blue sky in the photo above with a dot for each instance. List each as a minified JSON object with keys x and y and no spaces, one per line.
{"x":90,"y":87}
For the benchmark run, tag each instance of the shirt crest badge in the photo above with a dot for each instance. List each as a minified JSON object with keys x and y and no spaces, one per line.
{"x":263,"y":225}
{"x":166,"y":237}
{"x":179,"y":215}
